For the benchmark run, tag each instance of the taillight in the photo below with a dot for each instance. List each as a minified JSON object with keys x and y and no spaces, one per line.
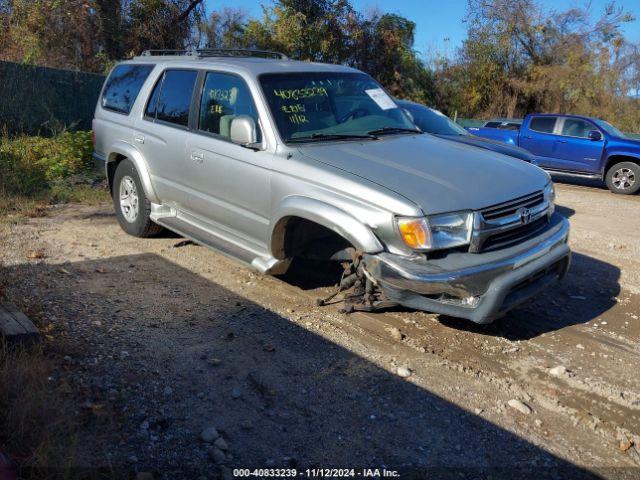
{"x":93,"y":138}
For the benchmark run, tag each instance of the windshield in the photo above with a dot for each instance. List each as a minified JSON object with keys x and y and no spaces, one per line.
{"x":610,"y":129}
{"x":316,"y":106}
{"x":433,"y":121}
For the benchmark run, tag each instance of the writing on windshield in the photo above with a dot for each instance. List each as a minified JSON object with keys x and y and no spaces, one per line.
{"x":325,"y":106}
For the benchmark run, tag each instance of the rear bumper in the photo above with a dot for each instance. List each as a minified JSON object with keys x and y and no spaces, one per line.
{"x":480,"y":292}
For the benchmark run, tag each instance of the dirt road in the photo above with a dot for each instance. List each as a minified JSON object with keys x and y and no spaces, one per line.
{"x":157,"y":342}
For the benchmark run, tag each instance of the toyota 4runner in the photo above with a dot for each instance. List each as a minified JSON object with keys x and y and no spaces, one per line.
{"x":267,"y":159}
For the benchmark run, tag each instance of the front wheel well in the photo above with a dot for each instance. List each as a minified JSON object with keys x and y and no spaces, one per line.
{"x":303,"y":238}
{"x":614,"y":159}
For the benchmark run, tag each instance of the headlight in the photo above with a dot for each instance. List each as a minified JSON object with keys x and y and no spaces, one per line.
{"x":437,"y":232}
{"x":550,"y":197}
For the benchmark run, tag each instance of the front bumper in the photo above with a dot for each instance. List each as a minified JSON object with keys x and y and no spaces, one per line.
{"x":477,"y":286}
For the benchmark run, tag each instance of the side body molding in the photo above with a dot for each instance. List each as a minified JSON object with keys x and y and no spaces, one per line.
{"x":323,"y":214}
{"x":126,"y":149}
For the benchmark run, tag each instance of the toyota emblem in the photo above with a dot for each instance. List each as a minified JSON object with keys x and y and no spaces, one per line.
{"x":525,"y":215}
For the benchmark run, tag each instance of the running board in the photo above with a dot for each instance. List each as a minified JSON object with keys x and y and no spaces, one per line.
{"x":264,"y":264}
{"x":591,"y":176}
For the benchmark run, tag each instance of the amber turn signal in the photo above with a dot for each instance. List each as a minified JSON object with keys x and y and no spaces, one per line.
{"x":414,"y":232}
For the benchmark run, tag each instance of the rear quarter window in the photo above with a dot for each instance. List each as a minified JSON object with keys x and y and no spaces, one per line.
{"x":123,"y":86}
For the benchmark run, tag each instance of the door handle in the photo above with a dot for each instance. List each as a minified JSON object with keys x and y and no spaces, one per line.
{"x":139,"y":138}
{"x":197,"y":157}
{"x":561,"y":141}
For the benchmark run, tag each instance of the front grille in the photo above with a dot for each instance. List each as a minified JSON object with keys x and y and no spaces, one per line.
{"x":510,"y":208}
{"x":500,"y":226}
{"x":514,"y":236}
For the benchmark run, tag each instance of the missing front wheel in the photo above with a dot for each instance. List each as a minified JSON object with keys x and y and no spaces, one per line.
{"x":357,"y":289}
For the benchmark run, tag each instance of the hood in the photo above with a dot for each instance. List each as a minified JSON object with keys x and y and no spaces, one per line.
{"x":438,"y":175}
{"x":493,"y":145}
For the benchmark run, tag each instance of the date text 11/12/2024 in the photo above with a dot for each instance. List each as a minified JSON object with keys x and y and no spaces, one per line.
{"x":316,"y":473}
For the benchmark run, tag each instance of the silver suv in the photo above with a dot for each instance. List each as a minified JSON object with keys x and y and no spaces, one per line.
{"x":268,"y":159}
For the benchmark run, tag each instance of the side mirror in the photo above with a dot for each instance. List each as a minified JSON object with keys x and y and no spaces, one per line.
{"x":594,"y":135}
{"x":243,"y":131}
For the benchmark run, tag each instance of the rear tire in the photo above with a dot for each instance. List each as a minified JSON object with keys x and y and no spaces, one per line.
{"x":623,"y":178}
{"x":133,"y":209}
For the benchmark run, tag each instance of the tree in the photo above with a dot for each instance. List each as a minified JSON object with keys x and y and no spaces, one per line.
{"x":224,"y":29}
{"x":519,"y":59}
{"x":331,"y":31}
{"x":384,"y":48}
{"x":91,"y":34}
{"x":160,"y":24}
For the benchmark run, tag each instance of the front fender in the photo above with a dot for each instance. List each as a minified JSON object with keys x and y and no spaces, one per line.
{"x":125,"y":149}
{"x":333,"y":218}
{"x":629,"y":151}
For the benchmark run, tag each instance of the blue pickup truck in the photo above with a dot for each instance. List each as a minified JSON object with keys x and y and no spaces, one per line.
{"x":577,"y":146}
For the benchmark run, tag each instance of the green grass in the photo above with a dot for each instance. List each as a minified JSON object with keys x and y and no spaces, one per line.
{"x":39,"y":171}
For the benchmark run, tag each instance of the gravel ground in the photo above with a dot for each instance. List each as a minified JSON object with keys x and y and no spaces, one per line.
{"x":186,"y":364}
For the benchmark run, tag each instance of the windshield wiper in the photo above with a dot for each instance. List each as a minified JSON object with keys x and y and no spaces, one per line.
{"x":390,"y":130}
{"x":319,"y":137}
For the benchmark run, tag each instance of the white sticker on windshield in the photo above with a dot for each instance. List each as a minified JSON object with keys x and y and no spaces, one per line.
{"x":381,"y":98}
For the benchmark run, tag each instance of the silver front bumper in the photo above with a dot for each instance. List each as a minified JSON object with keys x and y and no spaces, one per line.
{"x":479,"y":287}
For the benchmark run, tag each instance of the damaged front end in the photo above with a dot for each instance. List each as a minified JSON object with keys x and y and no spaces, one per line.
{"x":357,"y":289}
{"x":477,"y":286}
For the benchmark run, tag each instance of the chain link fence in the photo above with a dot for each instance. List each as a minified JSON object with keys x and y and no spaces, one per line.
{"x":45,"y":101}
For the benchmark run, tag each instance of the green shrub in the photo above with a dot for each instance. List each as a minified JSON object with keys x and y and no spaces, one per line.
{"x":30,"y":165}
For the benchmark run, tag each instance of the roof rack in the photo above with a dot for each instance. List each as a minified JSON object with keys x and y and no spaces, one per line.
{"x":217,"y":52}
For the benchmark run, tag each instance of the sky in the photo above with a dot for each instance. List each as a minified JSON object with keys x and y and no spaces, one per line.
{"x":439,"y":23}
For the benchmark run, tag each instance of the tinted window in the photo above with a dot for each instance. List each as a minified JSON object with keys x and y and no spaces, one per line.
{"x":123,"y":85}
{"x":175,"y":96}
{"x":152,"y":104}
{"x":224,"y":97}
{"x":432,"y":121}
{"x":492,"y":124}
{"x":574,"y":127}
{"x":543,"y":124}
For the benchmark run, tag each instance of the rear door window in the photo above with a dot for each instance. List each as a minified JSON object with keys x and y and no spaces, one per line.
{"x":576,"y":127}
{"x":543,"y":124}
{"x":123,"y":86}
{"x":170,"y":100}
{"x":224,"y":97}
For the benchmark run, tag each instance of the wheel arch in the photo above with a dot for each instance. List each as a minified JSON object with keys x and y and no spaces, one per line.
{"x":328,"y":216}
{"x":617,"y":157}
{"x":120,"y":151}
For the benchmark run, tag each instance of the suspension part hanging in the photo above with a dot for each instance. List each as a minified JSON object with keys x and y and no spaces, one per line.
{"x":359,"y":289}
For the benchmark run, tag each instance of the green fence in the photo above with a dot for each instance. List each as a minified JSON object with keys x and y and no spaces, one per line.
{"x":45,"y":100}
